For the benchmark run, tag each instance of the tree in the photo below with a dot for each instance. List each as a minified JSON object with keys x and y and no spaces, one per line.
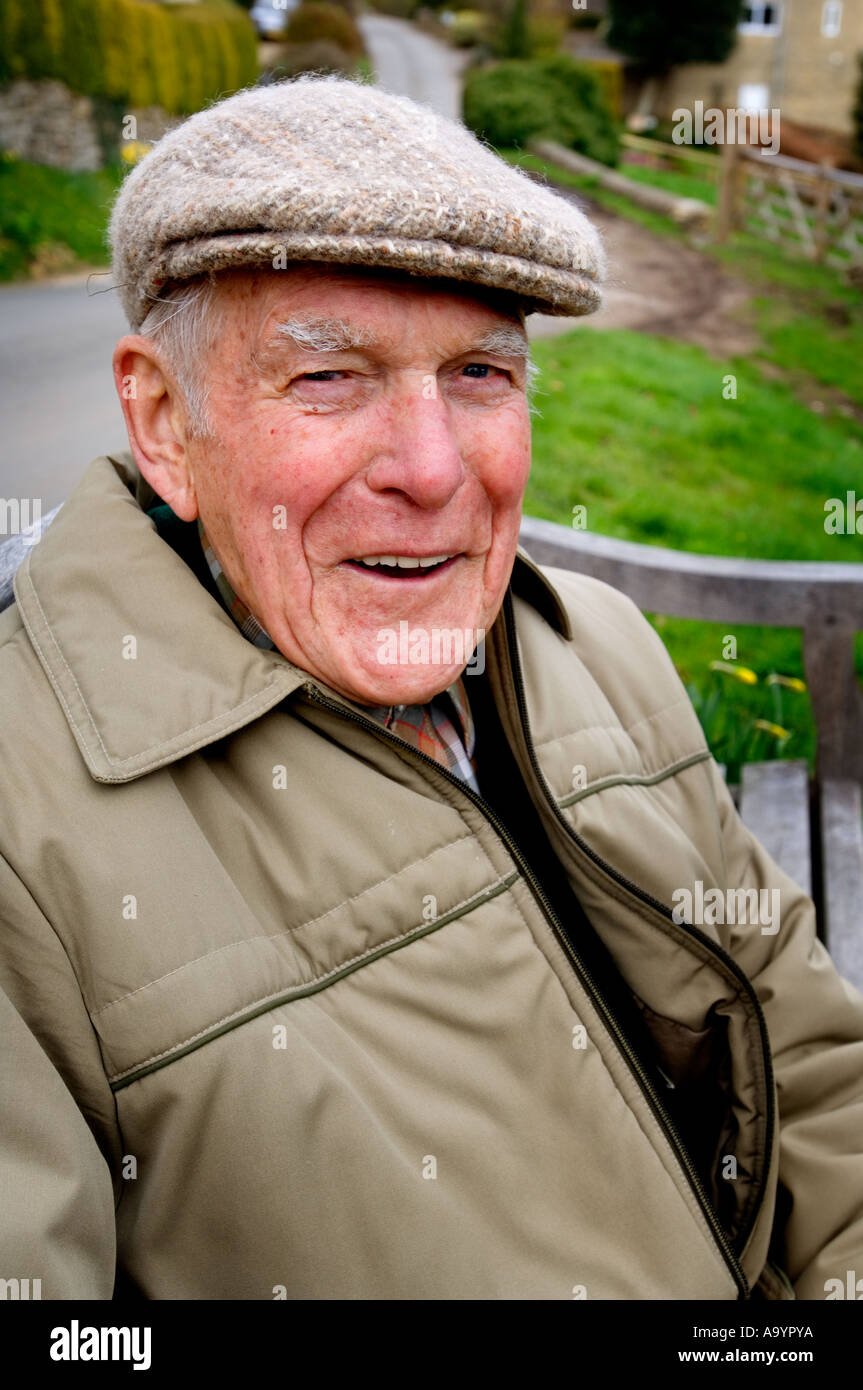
{"x":659,"y":34}
{"x":515,"y":41}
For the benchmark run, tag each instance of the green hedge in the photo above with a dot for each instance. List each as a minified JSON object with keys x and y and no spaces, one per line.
{"x":179,"y":57}
{"x":319,"y":21}
{"x":555,"y":98}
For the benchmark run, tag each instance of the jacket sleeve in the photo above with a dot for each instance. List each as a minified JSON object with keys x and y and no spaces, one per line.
{"x":56,"y":1194}
{"x":815,"y":1024}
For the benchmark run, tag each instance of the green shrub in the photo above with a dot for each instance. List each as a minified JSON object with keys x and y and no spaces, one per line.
{"x":175,"y":56}
{"x":610,"y":74}
{"x":544,"y":33}
{"x":468,"y":27}
{"x":556,"y":98}
{"x":522,"y":35}
{"x":512,"y":39}
{"x":293,"y":59}
{"x":319,"y":21}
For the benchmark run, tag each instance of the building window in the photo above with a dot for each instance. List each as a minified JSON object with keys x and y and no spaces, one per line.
{"x":761,"y":19}
{"x":753,"y":96}
{"x":831,"y":19}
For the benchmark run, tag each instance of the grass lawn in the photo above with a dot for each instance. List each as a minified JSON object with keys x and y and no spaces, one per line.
{"x":676,"y":181}
{"x":636,"y":430}
{"x":52,"y":220}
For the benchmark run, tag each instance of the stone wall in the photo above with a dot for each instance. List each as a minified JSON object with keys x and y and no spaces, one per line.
{"x":46,"y":123}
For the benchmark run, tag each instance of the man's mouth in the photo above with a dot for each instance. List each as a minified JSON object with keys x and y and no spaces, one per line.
{"x":402,"y":566}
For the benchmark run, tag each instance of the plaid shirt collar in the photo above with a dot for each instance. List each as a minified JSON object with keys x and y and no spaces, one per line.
{"x":246,"y":621}
{"x":443,"y":729}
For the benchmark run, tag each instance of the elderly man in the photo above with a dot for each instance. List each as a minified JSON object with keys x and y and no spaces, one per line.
{"x":340,"y":843}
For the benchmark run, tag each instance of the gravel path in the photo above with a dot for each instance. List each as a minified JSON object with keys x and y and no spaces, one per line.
{"x":659,"y":285}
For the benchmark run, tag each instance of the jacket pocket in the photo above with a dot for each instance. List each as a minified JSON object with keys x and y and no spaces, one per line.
{"x":699,"y":1101}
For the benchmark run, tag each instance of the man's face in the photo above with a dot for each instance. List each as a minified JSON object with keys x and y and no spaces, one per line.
{"x":384,"y":421}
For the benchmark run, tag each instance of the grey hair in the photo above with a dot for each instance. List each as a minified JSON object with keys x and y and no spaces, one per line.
{"x":324,"y":334}
{"x":184,"y":324}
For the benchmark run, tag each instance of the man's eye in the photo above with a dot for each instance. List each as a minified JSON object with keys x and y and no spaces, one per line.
{"x":321,"y":376}
{"x":479,"y":369}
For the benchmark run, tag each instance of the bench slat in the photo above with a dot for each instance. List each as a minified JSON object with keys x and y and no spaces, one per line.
{"x":842,"y":848}
{"x":774,"y":805}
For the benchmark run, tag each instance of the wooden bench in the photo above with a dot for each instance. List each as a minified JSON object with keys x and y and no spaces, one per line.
{"x":814,"y":831}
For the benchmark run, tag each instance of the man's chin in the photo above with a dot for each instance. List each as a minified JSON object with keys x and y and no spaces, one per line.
{"x":408,"y":667}
{"x":416,"y":687}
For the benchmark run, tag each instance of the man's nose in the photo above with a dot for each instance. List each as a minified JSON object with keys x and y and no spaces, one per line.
{"x":418,"y":452}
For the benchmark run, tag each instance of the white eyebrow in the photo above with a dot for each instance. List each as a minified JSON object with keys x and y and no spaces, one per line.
{"x":511,"y":342}
{"x":336,"y":335}
{"x":324,"y":334}
{"x":505,"y":342}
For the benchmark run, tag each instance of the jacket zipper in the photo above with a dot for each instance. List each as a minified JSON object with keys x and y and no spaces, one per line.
{"x":578,"y":966}
{"x":728,"y":961}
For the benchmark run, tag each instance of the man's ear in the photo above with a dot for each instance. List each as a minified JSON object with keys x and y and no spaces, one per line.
{"x":155,"y":423}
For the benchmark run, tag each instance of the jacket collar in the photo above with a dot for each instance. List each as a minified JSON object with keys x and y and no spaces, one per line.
{"x":529,"y":582}
{"x":145,"y":662}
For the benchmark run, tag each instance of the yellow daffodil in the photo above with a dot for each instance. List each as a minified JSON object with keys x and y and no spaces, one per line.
{"x":740,"y":673}
{"x":790,"y":682}
{"x":133,"y":150}
{"x":775,"y":729}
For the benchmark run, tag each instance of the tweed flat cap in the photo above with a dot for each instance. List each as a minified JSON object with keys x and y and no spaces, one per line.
{"x":325,"y":169}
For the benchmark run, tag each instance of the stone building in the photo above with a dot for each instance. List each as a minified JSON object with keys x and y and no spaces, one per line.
{"x":799,"y":56}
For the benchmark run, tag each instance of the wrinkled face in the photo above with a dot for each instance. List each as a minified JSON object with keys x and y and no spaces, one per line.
{"x":370,"y":452}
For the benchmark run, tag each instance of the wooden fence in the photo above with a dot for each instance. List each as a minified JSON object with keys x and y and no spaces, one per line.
{"x":809,"y":209}
{"x":823,"y":599}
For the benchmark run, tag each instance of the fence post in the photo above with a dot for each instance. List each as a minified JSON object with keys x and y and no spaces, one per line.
{"x":730,"y":187}
{"x":837,"y":701}
{"x":822,"y":209}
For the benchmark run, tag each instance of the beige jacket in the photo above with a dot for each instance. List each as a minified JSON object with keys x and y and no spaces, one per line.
{"x":287,"y":1012}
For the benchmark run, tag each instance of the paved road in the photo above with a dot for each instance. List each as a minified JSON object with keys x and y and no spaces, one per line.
{"x":412,"y":64}
{"x":58,"y":406}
